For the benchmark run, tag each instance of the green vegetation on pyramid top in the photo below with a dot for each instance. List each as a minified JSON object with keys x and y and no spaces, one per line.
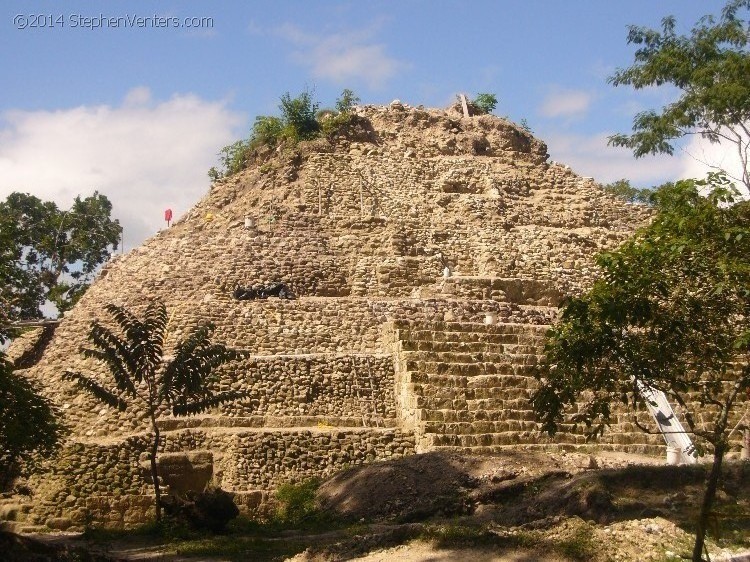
{"x":301,"y":119}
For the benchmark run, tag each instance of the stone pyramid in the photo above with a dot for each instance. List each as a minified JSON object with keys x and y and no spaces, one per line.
{"x":427,"y":252}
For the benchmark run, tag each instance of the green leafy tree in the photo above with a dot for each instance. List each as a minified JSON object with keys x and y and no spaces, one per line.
{"x":144,"y":377}
{"x":298,"y":116}
{"x":28,"y":424}
{"x":672,"y":312}
{"x":710,"y":68}
{"x":623,"y":190}
{"x":485,"y":102}
{"x":51,"y":254}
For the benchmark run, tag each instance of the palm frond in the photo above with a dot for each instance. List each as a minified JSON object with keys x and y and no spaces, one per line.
{"x":95,"y":389}
{"x":119,"y":373}
{"x":128,"y":322}
{"x":185,"y":408}
{"x":113,"y":345}
{"x":155,"y":324}
{"x":191,"y":371}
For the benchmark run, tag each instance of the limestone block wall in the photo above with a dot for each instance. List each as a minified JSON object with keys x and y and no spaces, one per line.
{"x":109,"y":484}
{"x":325,"y":385}
{"x":261,"y":460}
{"x":468,"y":386}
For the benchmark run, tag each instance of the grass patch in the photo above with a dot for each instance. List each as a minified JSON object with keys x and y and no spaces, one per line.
{"x":240,"y":548}
{"x":461,"y":536}
{"x":579,"y":546}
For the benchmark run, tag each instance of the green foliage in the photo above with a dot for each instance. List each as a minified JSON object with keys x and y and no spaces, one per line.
{"x":346,"y":102}
{"x":28,"y":424}
{"x":233,"y":157}
{"x":672,"y":312}
{"x":486,"y":103}
{"x":710,"y":67}
{"x":143,"y":377}
{"x":50,"y":254}
{"x":297,"y":502}
{"x":298,"y":116}
{"x":623,"y":190}
{"x":525,"y":126}
{"x":267,"y":130}
{"x":301,"y":119}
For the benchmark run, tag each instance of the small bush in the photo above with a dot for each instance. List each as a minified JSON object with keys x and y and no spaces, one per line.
{"x":233,"y":158}
{"x":298,"y":115}
{"x":267,"y":130}
{"x":346,"y":102}
{"x":297,"y":502}
{"x":485,"y":102}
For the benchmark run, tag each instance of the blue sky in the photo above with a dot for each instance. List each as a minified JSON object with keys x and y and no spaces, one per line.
{"x":139,"y":111}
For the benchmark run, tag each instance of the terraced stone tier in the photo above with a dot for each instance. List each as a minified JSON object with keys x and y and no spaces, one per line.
{"x":467,"y":386}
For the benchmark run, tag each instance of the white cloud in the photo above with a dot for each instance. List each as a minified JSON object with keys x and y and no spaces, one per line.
{"x":566,"y":103}
{"x":591,"y":156}
{"x":144,"y":155}
{"x":701,"y":156}
{"x":343,"y":57}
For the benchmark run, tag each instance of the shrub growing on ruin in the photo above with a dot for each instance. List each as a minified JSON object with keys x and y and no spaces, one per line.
{"x":144,"y":378}
{"x":486,"y":103}
{"x":346,"y":101}
{"x":301,"y":119}
{"x":297,"y":503}
{"x":298,"y":116}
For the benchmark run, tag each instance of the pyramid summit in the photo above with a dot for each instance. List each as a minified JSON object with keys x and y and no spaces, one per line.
{"x":425,"y":253}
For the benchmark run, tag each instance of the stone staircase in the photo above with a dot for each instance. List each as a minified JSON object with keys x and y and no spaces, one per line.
{"x":465,"y":385}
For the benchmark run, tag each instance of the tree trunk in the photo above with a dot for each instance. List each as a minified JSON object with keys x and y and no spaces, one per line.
{"x":708,"y":500}
{"x":154,"y":470}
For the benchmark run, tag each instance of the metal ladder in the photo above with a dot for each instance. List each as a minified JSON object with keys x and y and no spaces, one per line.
{"x":669,"y":425}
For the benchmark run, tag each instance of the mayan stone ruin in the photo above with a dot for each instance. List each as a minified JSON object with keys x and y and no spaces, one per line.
{"x":426,"y":253}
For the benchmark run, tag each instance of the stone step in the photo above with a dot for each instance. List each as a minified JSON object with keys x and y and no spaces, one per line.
{"x":555,"y":444}
{"x":405,"y":327}
{"x":478,"y":357}
{"x":470,"y":369}
{"x":452,"y":416}
{"x":478,"y":427}
{"x":327,"y":325}
{"x":478,"y":440}
{"x":472,"y":347}
{"x":500,"y":337}
{"x":483,"y":386}
{"x":458,"y":402}
{"x":273,"y":422}
{"x":486,"y":396}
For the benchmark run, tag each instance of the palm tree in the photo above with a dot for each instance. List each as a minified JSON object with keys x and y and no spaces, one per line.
{"x":142,"y":373}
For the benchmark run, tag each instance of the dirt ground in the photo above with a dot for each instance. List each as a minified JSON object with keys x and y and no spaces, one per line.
{"x":518,"y":506}
{"x":534,"y":505}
